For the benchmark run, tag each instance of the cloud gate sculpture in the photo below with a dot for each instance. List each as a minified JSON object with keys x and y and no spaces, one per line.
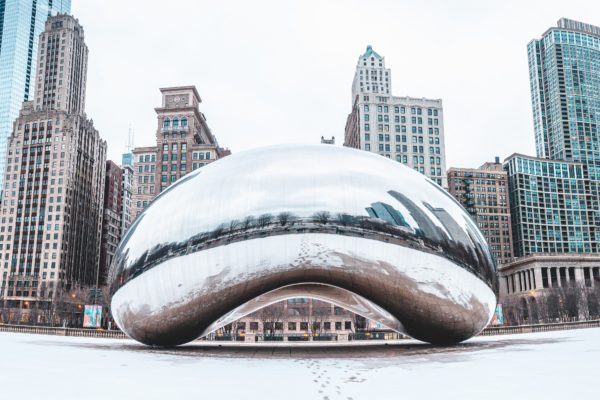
{"x":347,"y":226}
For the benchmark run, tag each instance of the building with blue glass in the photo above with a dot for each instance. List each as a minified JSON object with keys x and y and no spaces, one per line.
{"x":553,"y":204}
{"x":555,"y":196}
{"x":21,"y":23}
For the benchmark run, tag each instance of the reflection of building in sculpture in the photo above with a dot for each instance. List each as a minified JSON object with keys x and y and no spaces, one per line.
{"x":454,"y":231}
{"x":386,"y":213}
{"x":299,"y":319}
{"x":184,"y":143}
{"x":426,"y":227}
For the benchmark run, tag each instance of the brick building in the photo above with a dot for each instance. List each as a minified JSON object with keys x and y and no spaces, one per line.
{"x":184,"y":143}
{"x":483,"y":192}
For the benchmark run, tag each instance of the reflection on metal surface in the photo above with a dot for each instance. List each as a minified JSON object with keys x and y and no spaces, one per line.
{"x":338,"y":224}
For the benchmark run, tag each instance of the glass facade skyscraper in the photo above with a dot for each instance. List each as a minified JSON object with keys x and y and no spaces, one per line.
{"x":21,"y":22}
{"x":555,"y":197}
{"x":564,"y":71}
{"x":553,"y":206}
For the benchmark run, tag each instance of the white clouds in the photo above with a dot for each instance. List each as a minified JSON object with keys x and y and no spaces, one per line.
{"x":281,"y":71}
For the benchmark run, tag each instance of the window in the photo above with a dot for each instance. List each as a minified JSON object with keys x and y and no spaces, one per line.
{"x":166,"y":123}
{"x":175,"y":123}
{"x":184,"y":122}
{"x":348,"y":325}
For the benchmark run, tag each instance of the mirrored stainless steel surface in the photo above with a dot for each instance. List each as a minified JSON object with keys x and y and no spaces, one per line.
{"x":348,"y":226}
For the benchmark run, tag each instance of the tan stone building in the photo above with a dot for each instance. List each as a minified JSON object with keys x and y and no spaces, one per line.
{"x":184,"y":143}
{"x":483,"y":192}
{"x":550,"y":287}
{"x":51,"y":214}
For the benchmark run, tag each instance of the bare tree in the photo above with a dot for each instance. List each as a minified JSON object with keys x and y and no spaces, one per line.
{"x":233,"y":225}
{"x":322,"y":217}
{"x":285,"y":217}
{"x":218,"y":231}
{"x":248,"y":222}
{"x":272,"y":318}
{"x":264,"y":220}
{"x":320,"y":314}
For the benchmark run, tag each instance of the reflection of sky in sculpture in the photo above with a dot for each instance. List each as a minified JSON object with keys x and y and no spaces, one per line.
{"x":303,"y":183}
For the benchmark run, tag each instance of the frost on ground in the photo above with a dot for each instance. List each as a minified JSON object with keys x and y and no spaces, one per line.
{"x":550,"y":365}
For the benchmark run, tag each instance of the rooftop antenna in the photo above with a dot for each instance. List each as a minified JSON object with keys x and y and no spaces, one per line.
{"x":130,"y":136}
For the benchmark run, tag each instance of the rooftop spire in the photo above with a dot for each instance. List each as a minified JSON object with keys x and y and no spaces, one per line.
{"x":370,"y":52}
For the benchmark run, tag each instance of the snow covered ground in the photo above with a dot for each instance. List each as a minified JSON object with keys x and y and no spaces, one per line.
{"x":550,"y":365}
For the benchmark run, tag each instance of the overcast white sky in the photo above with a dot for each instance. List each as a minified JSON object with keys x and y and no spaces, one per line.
{"x":281,"y":71}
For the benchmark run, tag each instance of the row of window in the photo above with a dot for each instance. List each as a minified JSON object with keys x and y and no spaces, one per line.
{"x":402,"y":138}
{"x":402,"y":129}
{"x":293,"y":326}
{"x":402,"y":110}
{"x":404,"y":148}
{"x":402,"y":119}
{"x":152,"y":157}
{"x":175,"y":122}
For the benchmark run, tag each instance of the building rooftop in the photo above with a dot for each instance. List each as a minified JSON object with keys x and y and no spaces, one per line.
{"x":571,"y":24}
{"x":370,"y":52}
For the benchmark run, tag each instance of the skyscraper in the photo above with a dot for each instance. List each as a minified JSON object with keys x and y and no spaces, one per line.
{"x":184,"y":143}
{"x":21,"y":22}
{"x":555,"y":198}
{"x":54,"y":188}
{"x":409,"y":130}
{"x":564,"y":72}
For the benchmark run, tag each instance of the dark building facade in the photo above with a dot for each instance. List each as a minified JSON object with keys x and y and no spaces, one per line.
{"x":111,"y":221}
{"x":51,"y":213}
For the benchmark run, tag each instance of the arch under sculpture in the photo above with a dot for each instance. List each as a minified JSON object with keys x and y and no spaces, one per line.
{"x":337,"y":224}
